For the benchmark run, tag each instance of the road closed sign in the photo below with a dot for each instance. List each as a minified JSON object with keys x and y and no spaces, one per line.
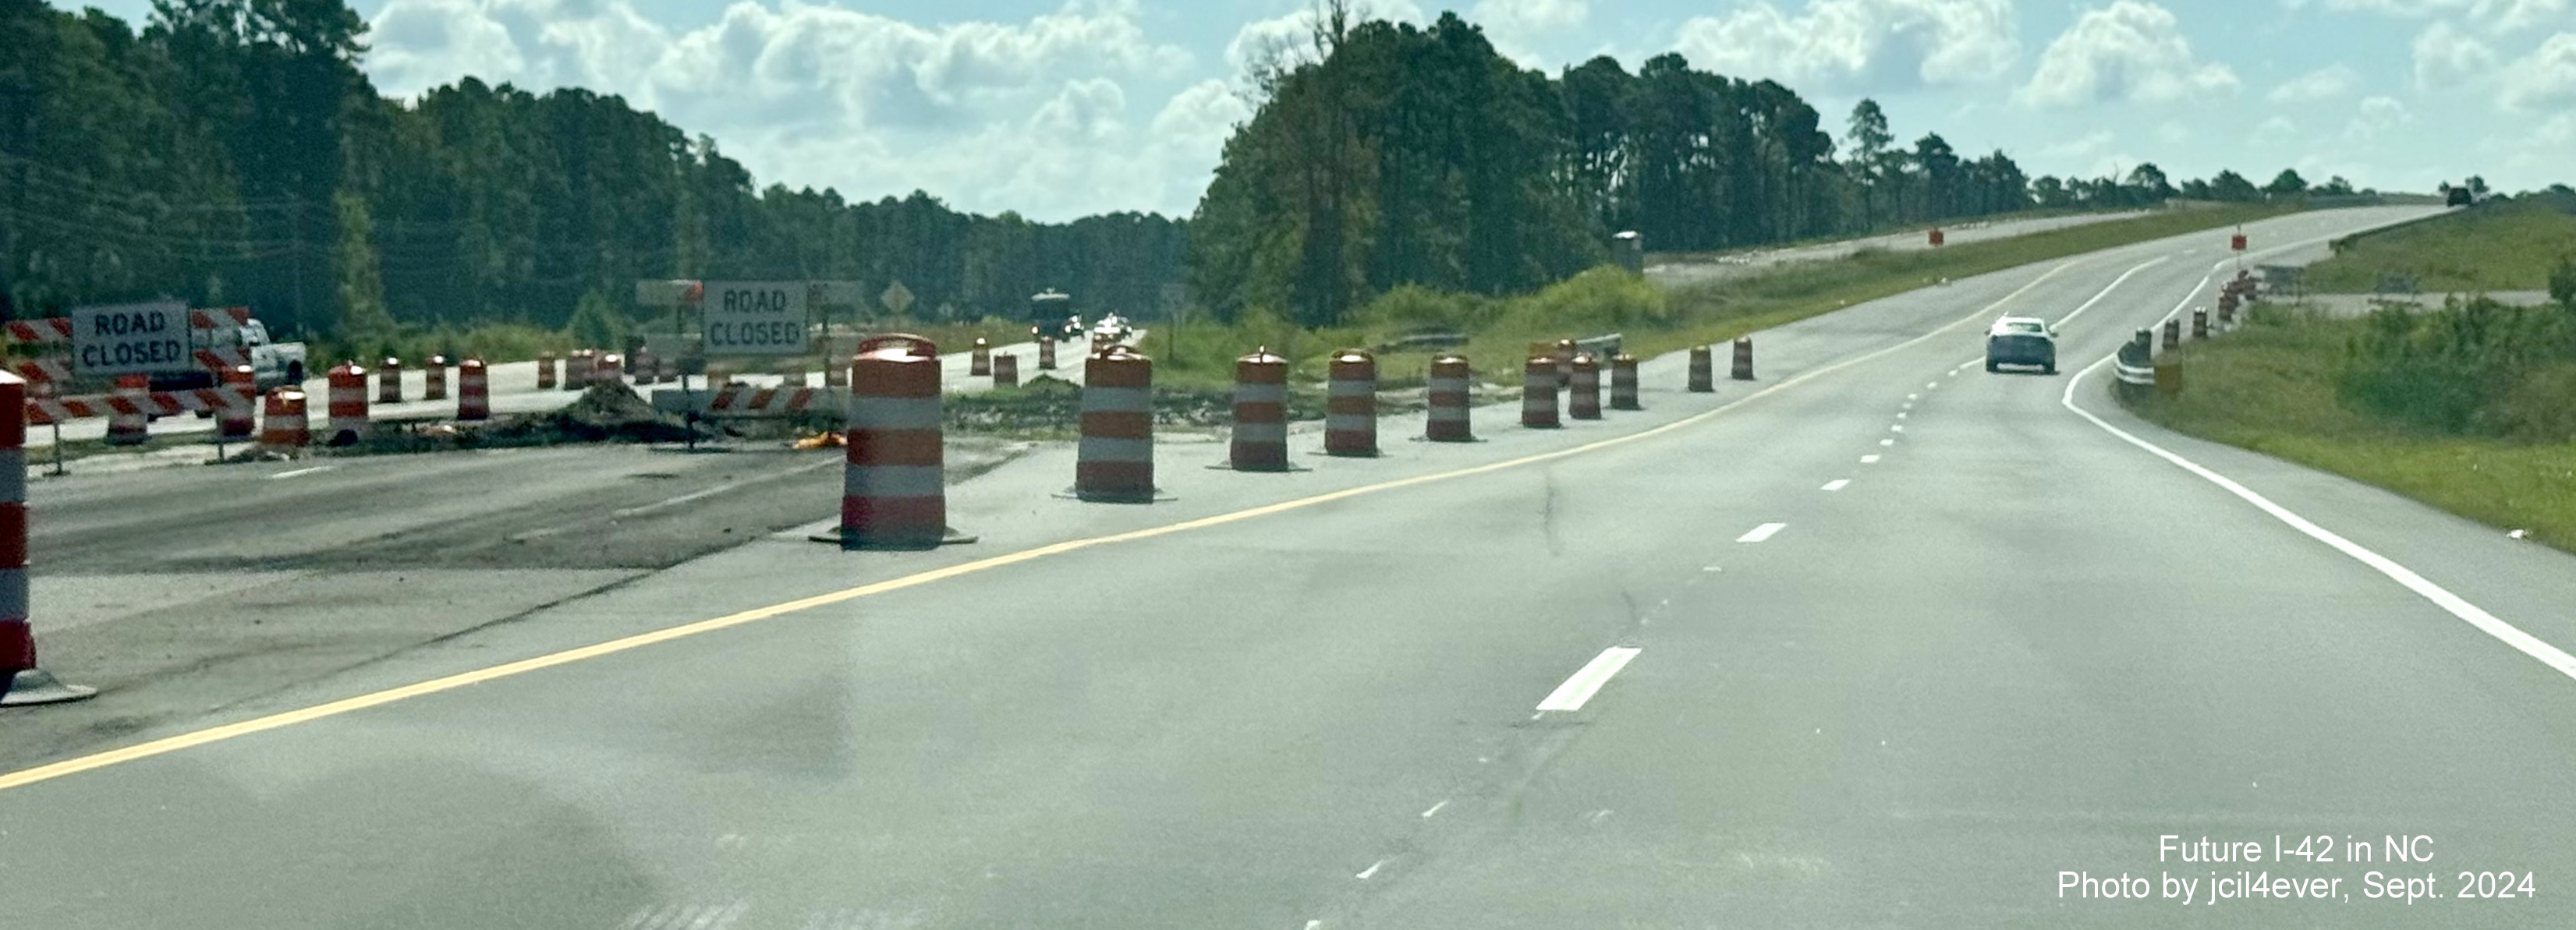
{"x":130,"y":339}
{"x":755,"y":318}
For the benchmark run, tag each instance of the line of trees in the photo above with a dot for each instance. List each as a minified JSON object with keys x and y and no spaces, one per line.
{"x":233,"y":152}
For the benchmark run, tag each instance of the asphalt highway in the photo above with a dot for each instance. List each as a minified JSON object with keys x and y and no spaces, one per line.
{"x":1878,"y":639}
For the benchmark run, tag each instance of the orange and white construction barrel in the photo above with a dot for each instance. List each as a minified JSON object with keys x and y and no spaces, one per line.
{"x":1260,"y":413}
{"x":21,"y":681}
{"x":979,"y":363}
{"x":1115,"y":460}
{"x":239,"y":418}
{"x":284,"y":426}
{"x":1350,"y":404}
{"x":576,"y":369}
{"x":473,"y":390}
{"x":667,"y":370}
{"x":348,"y":404}
{"x":1448,"y":397}
{"x":1703,"y":370}
{"x":1538,"y":392}
{"x":1046,"y":353}
{"x":389,"y":382}
{"x":1564,"y":362}
{"x":611,"y":369}
{"x":1623,"y":382}
{"x":545,"y":371}
{"x":644,"y":367}
{"x":893,"y":491}
{"x":1583,"y":402}
{"x":1743,"y":358}
{"x":434,"y":375}
{"x":129,"y":421}
{"x":1006,"y":370}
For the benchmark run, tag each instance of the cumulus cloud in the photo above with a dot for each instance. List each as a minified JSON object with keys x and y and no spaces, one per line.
{"x":2376,"y":117}
{"x":2130,"y":50}
{"x":2276,"y":130}
{"x":1515,"y":26}
{"x":1858,"y":45}
{"x":1289,"y":38}
{"x":2322,"y":84}
{"x":990,"y":114}
{"x":2446,"y":57}
{"x":2497,"y":16}
{"x":2546,"y":79}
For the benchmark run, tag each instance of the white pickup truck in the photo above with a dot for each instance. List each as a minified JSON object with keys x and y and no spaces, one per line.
{"x":273,"y":363}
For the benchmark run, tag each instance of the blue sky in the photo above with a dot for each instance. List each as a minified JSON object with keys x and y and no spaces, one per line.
{"x":1058,"y":109}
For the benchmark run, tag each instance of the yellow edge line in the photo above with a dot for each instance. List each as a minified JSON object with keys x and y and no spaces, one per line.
{"x":167,"y":745}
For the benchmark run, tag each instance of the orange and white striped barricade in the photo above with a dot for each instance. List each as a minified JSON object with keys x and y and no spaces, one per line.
{"x":718,"y":376}
{"x":389,"y":382}
{"x":1583,"y":402}
{"x":1350,"y":404}
{"x":1743,"y":359}
{"x":347,"y":405}
{"x":238,"y":419}
{"x":1046,"y":353}
{"x":1260,"y":440}
{"x":1703,"y":370}
{"x":285,"y":427}
{"x":893,"y":490}
{"x":433,"y":385}
{"x":1006,"y":370}
{"x":1623,"y":382}
{"x":473,"y":390}
{"x":545,"y":371}
{"x":610,"y":370}
{"x":1538,"y":393}
{"x":130,"y":421}
{"x":1448,"y":397}
{"x":979,"y":363}
{"x":21,"y":681}
{"x":1115,"y":460}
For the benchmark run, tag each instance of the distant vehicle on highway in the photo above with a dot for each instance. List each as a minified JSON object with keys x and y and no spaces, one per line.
{"x":2021,"y":340}
{"x":1112,"y":328}
{"x":273,"y":364}
{"x":1071,"y":330}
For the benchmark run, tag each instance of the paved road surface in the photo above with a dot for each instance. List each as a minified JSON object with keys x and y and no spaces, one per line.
{"x":1910,"y":640}
{"x":1750,"y":262}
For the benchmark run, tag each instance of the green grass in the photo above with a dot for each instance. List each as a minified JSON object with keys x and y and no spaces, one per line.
{"x":2498,"y":246}
{"x":2270,"y":387}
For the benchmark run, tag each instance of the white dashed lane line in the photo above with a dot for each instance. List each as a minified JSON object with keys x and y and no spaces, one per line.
{"x":1837,"y":484}
{"x":1869,"y":460}
{"x":299,"y":471}
{"x":1763,"y":532}
{"x":1588,"y":681}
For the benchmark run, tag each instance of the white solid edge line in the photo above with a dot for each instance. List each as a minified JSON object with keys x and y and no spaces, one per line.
{"x":1837,"y":484}
{"x":2557,"y":659}
{"x":299,"y":471}
{"x":1587,"y":681}
{"x":1760,"y":533}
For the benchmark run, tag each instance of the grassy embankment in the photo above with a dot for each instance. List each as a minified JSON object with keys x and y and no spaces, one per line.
{"x":2471,"y":409}
{"x":2509,"y":246}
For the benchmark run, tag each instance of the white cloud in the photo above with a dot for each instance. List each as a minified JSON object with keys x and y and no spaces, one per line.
{"x":2446,"y":57}
{"x":2496,"y":16}
{"x":2277,"y":130}
{"x":2322,"y":84}
{"x":1032,"y":114}
{"x":1858,"y":45}
{"x":2546,"y":79}
{"x":2538,"y":153}
{"x":2096,"y":155}
{"x":2375,"y":117}
{"x":1290,"y":37}
{"x":2130,"y":50}
{"x":1514,"y":26}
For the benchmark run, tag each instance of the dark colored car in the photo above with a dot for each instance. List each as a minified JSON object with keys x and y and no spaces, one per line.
{"x":2021,"y":340}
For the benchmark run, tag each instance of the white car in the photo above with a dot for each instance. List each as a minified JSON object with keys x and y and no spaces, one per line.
{"x":2021,"y":340}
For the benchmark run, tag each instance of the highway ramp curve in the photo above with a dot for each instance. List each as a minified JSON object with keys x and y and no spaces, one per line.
{"x":1878,"y":639}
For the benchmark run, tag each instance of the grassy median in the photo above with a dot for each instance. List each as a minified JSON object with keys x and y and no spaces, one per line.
{"x":2272,"y":387}
{"x":2498,"y":246}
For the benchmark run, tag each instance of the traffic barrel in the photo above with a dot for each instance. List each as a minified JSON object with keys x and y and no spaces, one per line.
{"x":1006,"y":370}
{"x":893,"y":490}
{"x":644,"y":368}
{"x":2199,"y":323}
{"x":1260,"y":413}
{"x":1623,"y":382}
{"x":1449,"y":397}
{"x":21,"y":681}
{"x":1115,"y":461}
{"x":545,"y":371}
{"x":1538,"y":392}
{"x":611,"y":369}
{"x":1703,"y":370}
{"x":285,"y":426}
{"x":1564,"y":363}
{"x":576,"y":373}
{"x":2173,"y":333}
{"x":128,"y":424}
{"x":1584,"y":401}
{"x":1046,"y":353}
{"x":1935,"y":238}
{"x":980,"y":363}
{"x":792,"y":375}
{"x":389,"y":382}
{"x":241,"y":398}
{"x":1350,"y":404}
{"x":1743,"y":358}
{"x":667,"y":371}
{"x":348,"y":404}
{"x":434,"y":375}
{"x":473,"y":390}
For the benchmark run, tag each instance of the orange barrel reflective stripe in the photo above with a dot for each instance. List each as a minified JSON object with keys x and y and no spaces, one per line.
{"x":1260,"y":413}
{"x":893,"y":491}
{"x":1115,"y":460}
{"x":1449,"y":387}
{"x":348,"y":404}
{"x":1538,"y":392}
{"x":1350,"y":404}
{"x":473,"y":390}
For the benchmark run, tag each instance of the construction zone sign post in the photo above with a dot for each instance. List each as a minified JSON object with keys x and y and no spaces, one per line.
{"x":755,"y":318}
{"x":130,"y":339}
